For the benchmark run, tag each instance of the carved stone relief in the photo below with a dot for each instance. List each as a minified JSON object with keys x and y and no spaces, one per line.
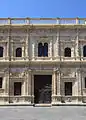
{"x":67,"y":72}
{"x":43,"y":32}
{"x":18,"y":72}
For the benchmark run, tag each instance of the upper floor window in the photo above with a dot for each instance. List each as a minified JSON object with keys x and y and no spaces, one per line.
{"x":43,"y":50}
{"x":67,"y":52}
{"x":1,"y":51}
{"x":84,"y":51}
{"x":40,"y":49}
{"x":19,"y":52}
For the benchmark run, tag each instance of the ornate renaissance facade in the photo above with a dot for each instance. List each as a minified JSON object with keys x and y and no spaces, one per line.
{"x":42,"y":60}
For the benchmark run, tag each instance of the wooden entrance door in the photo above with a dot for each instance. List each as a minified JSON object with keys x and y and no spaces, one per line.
{"x":42,"y":88}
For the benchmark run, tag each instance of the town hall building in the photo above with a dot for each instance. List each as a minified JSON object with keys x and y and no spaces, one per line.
{"x":42,"y":61}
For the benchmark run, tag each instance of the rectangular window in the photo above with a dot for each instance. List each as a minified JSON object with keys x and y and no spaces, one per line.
{"x":0,"y":82}
{"x":68,"y":88}
{"x":17,"y":88}
{"x":85,"y":82}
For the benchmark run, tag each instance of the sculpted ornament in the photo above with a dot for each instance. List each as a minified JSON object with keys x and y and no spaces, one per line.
{"x":66,"y":72}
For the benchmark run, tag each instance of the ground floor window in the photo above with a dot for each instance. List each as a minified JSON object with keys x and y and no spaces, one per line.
{"x":85,"y":82}
{"x":1,"y":82}
{"x":17,"y":88}
{"x":68,"y":88}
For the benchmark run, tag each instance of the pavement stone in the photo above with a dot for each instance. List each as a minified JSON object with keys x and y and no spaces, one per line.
{"x":43,"y":113}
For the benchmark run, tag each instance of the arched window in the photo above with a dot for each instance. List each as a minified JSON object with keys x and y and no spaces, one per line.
{"x":45,"y":51}
{"x":1,"y":51}
{"x":40,"y":49}
{"x":84,"y":51}
{"x":67,"y":52}
{"x":19,"y":52}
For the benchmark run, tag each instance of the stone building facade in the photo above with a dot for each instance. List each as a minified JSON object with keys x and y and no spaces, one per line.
{"x":42,"y":60}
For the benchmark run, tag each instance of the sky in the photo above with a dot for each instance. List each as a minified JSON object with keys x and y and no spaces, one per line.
{"x":43,"y":8}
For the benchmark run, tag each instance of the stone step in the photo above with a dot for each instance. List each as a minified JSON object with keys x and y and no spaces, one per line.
{"x":42,"y":105}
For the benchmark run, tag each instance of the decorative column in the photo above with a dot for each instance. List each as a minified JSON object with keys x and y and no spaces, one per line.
{"x":76,"y":83}
{"x":77,"y":45}
{"x":72,"y":51}
{"x":9,"y":41}
{"x":54,"y":83}
{"x":54,"y":87}
{"x":29,"y":83}
{"x":32,"y":88}
{"x":8,"y":48}
{"x":7,"y":85}
{"x":23,"y":50}
{"x":58,"y":82}
{"x":12,"y":49}
{"x":33,"y":50}
{"x":50,"y":49}
{"x":57,"y":45}
{"x":24,"y":88}
{"x":81,"y":50}
{"x":79,"y":84}
{"x":27,"y":47}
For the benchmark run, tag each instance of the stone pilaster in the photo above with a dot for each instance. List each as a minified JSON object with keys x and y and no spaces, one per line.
{"x":8,"y":45}
{"x":33,"y":50}
{"x":32,"y":88}
{"x":58,"y":83}
{"x":12,"y":50}
{"x":81,"y":50}
{"x":23,"y":88}
{"x":72,"y":51}
{"x":77,"y":44}
{"x":57,"y":45}
{"x":4,"y":84}
{"x":54,"y":83}
{"x":50,"y":48}
{"x":29,"y":83}
{"x":7,"y":86}
{"x":79,"y":81}
{"x":27,"y":46}
{"x":23,"y":51}
{"x":32,"y":85}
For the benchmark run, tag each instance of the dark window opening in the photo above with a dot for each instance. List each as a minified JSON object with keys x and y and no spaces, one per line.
{"x":18,"y":52}
{"x":40,"y":50}
{"x":85,"y":82}
{"x":67,"y":52}
{"x":0,"y":82}
{"x":1,"y":51}
{"x":68,"y":88}
{"x":45,"y":52}
{"x":17,"y":88}
{"x":84,"y":51}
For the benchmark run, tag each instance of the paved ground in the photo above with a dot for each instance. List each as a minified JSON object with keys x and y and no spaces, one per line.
{"x":43,"y":113}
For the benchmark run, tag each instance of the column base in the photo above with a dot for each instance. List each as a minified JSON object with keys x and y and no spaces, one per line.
{"x":56,"y":99}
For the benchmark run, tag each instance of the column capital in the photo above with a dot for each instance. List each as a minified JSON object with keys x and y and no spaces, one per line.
{"x":57,"y":70}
